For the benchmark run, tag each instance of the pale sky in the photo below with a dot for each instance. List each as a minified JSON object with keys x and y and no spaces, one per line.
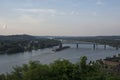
{"x":60,"y":17}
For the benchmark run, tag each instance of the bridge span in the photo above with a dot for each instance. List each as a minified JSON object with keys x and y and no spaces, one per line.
{"x":76,"y":42}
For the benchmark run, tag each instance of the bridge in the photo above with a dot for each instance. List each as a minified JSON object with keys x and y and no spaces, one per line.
{"x":76,"y":42}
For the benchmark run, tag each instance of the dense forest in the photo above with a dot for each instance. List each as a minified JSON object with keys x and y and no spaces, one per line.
{"x":60,"y":70}
{"x":21,"y":43}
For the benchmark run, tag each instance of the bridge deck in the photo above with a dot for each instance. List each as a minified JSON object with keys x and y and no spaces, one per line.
{"x":75,"y":42}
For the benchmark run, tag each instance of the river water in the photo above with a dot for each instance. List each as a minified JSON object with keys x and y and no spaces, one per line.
{"x":46,"y":56}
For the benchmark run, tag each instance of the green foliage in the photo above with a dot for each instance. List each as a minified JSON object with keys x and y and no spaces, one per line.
{"x":26,"y":45}
{"x":59,"y":70}
{"x":62,"y":69}
{"x":83,"y":64}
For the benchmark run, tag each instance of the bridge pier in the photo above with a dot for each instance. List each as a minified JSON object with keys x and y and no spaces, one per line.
{"x":94,"y":46}
{"x":77,"y":45}
{"x":104,"y":46}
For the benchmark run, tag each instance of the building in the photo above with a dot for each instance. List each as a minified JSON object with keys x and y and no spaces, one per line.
{"x":112,"y":65}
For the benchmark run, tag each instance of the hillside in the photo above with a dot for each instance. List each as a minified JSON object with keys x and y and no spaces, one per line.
{"x":17,"y":37}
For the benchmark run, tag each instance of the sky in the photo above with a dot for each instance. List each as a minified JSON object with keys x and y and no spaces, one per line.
{"x":60,"y":17}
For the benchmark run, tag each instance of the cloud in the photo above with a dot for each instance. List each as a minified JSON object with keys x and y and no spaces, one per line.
{"x":99,"y":2}
{"x":94,"y":13}
{"x":47,"y":11}
{"x":74,"y":13}
{"x":3,"y":25}
{"x":28,"y":19}
{"x":63,"y":13}
{"x":51,"y":12}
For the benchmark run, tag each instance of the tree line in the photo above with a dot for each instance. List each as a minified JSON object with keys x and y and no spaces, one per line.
{"x":59,"y":70}
{"x":25,"y":45}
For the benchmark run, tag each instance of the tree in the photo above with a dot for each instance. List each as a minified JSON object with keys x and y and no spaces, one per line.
{"x":59,"y":70}
{"x":83,"y":63}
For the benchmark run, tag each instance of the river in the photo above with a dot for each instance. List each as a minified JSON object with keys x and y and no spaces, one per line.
{"x":46,"y":56}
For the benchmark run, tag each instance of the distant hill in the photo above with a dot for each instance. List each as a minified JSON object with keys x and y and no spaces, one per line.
{"x":109,"y":37}
{"x":86,"y":37}
{"x":17,"y":37}
{"x":29,"y":37}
